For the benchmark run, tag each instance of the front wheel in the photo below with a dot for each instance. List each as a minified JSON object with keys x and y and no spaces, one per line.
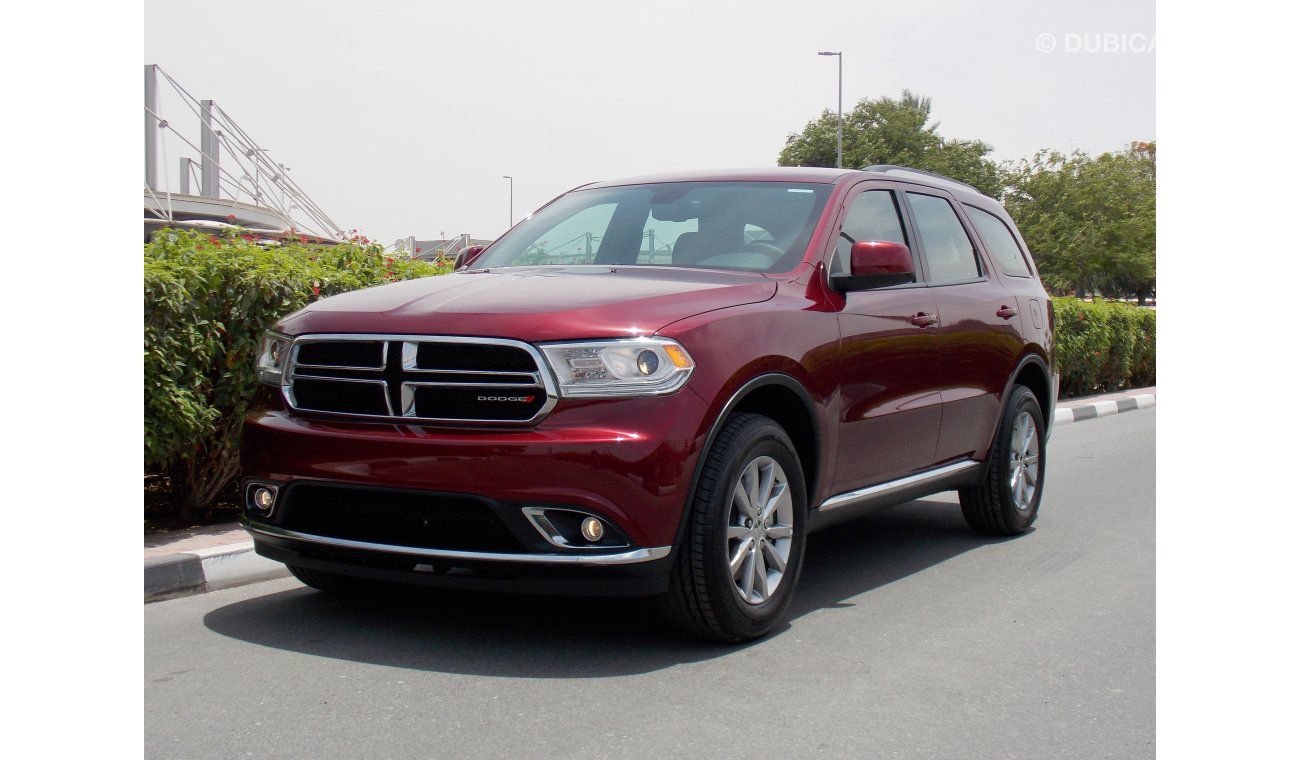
{"x":1005,"y":502}
{"x":740,"y":557}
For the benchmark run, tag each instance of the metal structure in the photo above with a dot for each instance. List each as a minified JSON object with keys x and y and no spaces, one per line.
{"x":512,"y":199}
{"x":839,"y":109}
{"x":250,"y":191}
{"x":432,"y":250}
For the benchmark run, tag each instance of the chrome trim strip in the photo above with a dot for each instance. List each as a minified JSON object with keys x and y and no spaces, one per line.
{"x":325,"y":379}
{"x":862,"y":494}
{"x":532,"y":378}
{"x":355,"y":368}
{"x":537,"y":516}
{"x":621,"y":558}
{"x":436,"y":384}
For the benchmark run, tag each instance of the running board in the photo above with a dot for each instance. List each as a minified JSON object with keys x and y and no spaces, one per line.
{"x":852,"y":504}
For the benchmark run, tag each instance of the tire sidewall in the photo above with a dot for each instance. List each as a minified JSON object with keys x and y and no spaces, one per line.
{"x":763,"y":438}
{"x":1022,"y":401}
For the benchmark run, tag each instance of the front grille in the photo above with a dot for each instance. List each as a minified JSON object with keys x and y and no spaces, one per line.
{"x":478,"y":402}
{"x":365,"y":354}
{"x":436,"y":379}
{"x":350,"y":396}
{"x":475,"y":357}
{"x":398,"y":518}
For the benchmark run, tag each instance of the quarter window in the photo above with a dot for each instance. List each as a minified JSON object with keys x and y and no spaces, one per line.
{"x":999,"y":241}
{"x":948,"y":249}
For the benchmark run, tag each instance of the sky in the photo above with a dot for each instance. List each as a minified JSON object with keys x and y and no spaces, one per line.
{"x":401,"y":118}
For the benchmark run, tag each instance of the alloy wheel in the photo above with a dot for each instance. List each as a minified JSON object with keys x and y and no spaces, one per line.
{"x":1024,"y":461}
{"x":760,"y":529}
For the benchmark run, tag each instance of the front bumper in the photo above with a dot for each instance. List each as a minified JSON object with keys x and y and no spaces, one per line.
{"x":627,"y":461}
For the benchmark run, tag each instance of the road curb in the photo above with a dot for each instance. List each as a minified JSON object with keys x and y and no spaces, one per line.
{"x":204,"y":570}
{"x":1065,"y":416}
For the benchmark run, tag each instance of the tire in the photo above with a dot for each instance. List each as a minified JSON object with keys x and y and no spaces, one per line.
{"x":331,"y":582}
{"x":1006,"y":502}
{"x":735,"y":572}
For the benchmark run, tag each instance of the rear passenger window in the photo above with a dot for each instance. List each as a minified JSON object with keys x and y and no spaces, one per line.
{"x":948,"y":249}
{"x":1001,"y":244}
{"x":873,"y":216}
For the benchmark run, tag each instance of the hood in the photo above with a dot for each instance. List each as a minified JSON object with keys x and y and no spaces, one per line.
{"x":534,"y":304}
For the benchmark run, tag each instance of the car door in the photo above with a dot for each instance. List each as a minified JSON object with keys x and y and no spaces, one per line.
{"x":1002,"y":248}
{"x":978,"y":335}
{"x":888,"y":362}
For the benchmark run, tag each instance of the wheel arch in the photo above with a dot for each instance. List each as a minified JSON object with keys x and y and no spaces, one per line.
{"x":1032,"y":372}
{"x":785,"y":400}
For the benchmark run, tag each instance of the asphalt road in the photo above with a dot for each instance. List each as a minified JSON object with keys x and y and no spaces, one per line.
{"x":909,"y":637}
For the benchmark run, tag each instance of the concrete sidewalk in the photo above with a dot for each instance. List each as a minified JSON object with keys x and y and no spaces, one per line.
{"x":197,"y":560}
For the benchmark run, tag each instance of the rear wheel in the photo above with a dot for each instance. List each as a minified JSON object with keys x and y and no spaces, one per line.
{"x":1006,"y":502}
{"x":740,"y":558}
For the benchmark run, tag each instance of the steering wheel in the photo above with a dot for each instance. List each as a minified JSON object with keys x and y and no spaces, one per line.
{"x":766,"y":247}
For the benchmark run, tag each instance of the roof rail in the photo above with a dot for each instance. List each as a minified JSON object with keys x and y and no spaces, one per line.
{"x":896,"y":168}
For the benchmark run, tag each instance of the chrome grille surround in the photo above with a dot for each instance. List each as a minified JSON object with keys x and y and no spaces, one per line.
{"x":409,"y":377}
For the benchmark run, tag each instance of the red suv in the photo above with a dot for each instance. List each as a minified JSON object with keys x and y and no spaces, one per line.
{"x":660,"y":386}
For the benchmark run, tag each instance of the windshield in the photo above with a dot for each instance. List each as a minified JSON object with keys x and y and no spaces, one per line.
{"x":751,"y":226}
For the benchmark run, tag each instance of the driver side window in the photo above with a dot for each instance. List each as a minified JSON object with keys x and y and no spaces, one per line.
{"x":873,"y":216}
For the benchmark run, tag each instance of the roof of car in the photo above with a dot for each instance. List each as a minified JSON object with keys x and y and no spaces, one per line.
{"x":768,"y":174}
{"x":813,"y":174}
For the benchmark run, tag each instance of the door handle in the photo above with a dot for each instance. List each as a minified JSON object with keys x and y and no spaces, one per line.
{"x":1006,"y":312}
{"x":924,"y":320}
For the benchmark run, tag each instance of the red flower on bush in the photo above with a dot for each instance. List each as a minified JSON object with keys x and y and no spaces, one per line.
{"x":230,"y":217}
{"x":213,"y":239}
{"x":315,"y":291}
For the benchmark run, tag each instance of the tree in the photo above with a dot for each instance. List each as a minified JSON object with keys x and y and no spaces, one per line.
{"x":888,"y":131}
{"x":1090,"y":222}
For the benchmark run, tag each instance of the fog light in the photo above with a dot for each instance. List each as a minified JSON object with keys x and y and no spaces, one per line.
{"x":592,"y":529}
{"x":263,"y":499}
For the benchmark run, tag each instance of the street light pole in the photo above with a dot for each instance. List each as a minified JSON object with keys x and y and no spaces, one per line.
{"x":512,"y":199}
{"x":839,"y":124}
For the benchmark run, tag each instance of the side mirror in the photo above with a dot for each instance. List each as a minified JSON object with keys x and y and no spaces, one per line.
{"x":868,"y":258}
{"x":876,"y":264}
{"x":467,"y":256}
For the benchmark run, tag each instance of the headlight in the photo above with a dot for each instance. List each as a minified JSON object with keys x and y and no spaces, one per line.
{"x":272,"y":358}
{"x":631,"y":367}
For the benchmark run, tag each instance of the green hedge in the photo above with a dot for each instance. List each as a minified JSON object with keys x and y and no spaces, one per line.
{"x":1104,"y":346}
{"x":207,"y":301}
